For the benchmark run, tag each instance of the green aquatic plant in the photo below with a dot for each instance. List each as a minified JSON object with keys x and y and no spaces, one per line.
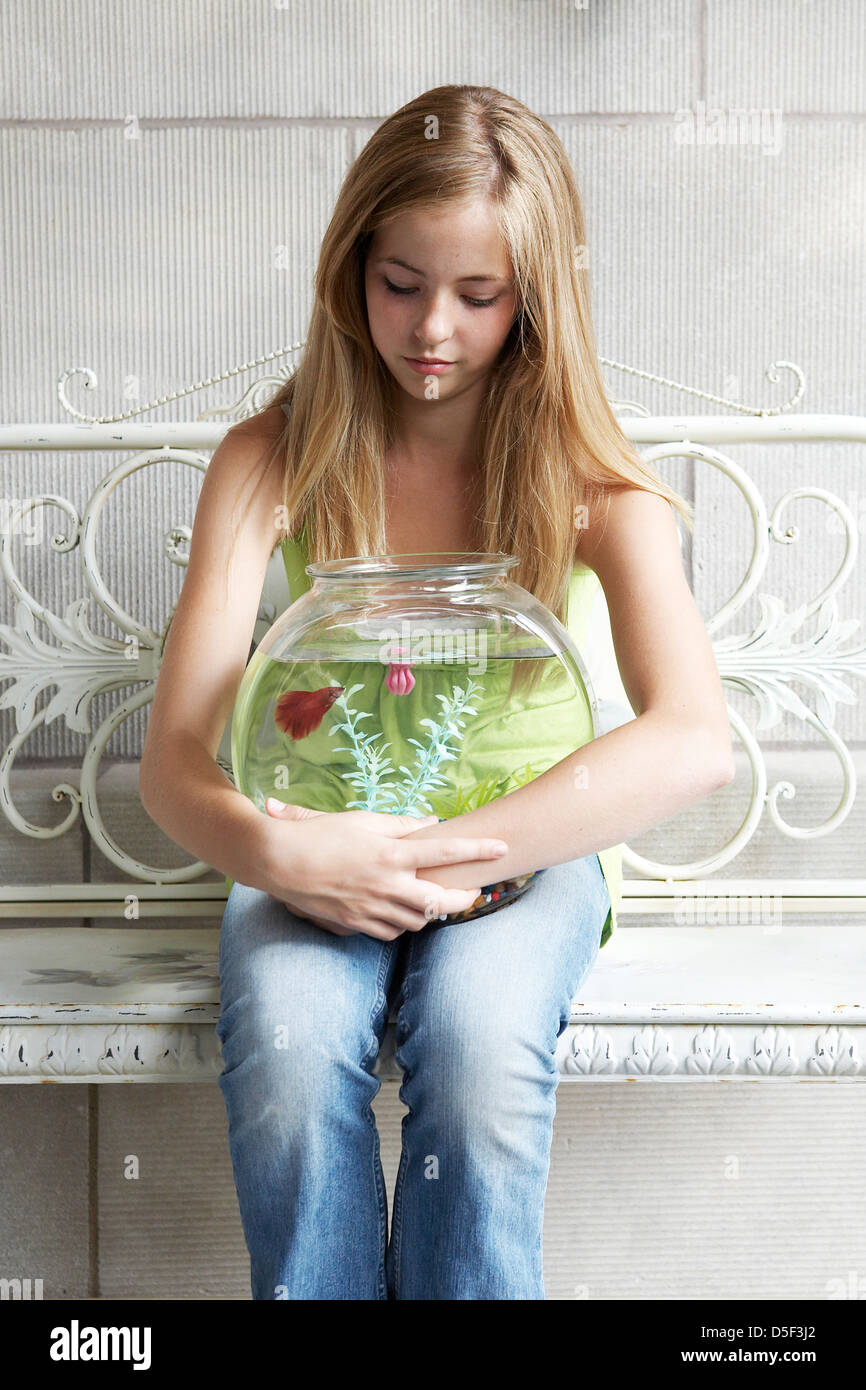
{"x":490,"y":789}
{"x":409,"y":795}
{"x":371,"y":762}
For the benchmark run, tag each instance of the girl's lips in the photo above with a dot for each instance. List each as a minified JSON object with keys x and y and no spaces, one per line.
{"x":428,"y":368}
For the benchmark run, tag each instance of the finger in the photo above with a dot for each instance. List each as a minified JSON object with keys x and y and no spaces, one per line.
{"x":324,"y":926}
{"x":407,"y":918}
{"x":439,"y":902}
{"x":336,"y":927}
{"x":287,"y":810}
{"x":424,"y":853}
{"x":382,"y":930}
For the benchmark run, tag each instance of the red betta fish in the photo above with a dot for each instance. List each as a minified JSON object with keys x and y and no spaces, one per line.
{"x":299,"y":712}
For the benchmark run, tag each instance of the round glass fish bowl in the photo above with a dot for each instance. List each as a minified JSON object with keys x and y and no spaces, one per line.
{"x":419,"y":684}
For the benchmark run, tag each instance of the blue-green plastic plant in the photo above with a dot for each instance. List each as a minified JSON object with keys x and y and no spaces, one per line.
{"x":406,"y":797}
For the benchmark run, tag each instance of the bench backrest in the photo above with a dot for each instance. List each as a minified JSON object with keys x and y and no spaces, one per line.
{"x":792,"y":667}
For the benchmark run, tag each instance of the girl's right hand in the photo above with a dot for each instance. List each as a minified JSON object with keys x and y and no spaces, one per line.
{"x":347,"y":871}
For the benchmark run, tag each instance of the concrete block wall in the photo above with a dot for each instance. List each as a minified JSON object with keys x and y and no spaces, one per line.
{"x":167,"y":173}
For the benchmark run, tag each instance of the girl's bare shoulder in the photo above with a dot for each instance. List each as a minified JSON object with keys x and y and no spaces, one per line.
{"x":590,"y":520}
{"x":266,"y":425}
{"x":254,"y":442}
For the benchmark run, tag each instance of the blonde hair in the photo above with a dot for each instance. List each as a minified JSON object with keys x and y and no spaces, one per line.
{"x":549,"y":446}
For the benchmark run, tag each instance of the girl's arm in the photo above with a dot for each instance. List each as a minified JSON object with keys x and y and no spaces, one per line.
{"x":674,"y":753}
{"x":180,"y":784}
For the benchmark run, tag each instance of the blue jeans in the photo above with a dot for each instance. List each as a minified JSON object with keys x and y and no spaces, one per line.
{"x":479,"y":1007}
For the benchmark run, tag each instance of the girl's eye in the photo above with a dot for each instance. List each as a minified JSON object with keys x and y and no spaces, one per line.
{"x":476,"y":303}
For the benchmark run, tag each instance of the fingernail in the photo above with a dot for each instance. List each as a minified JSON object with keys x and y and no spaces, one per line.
{"x":500,"y":848}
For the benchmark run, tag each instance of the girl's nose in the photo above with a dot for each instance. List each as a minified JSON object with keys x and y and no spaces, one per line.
{"x":433,"y":328}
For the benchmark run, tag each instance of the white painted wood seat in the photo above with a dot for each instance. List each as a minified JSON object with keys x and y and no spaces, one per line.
{"x":114,"y":1003}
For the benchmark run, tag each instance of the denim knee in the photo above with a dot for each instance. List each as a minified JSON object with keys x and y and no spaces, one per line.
{"x":294,"y":999}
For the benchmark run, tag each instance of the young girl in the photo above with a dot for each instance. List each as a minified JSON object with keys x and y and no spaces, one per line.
{"x":448,"y":399}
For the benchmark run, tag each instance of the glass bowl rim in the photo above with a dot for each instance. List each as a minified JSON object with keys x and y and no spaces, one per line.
{"x":420,"y":564}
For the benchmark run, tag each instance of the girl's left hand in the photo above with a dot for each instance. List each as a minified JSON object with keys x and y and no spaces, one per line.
{"x":333,"y":927}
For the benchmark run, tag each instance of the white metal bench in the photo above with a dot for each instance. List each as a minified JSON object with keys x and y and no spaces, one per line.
{"x":765,"y":980}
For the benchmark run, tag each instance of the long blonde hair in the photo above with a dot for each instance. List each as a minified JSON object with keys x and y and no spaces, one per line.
{"x":549,"y":446}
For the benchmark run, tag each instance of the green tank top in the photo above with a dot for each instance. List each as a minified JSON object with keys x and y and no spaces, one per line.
{"x":500,"y":744}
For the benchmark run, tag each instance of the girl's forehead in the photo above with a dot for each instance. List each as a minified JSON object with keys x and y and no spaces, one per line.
{"x":467,"y":246}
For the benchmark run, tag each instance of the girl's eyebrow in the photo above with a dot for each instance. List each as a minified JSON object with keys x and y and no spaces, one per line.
{"x":393,"y":260}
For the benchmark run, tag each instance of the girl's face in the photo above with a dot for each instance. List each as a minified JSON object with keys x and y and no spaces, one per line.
{"x":439,"y":285}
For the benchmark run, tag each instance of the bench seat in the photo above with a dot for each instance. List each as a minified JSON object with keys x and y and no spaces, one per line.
{"x":663,"y":1003}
